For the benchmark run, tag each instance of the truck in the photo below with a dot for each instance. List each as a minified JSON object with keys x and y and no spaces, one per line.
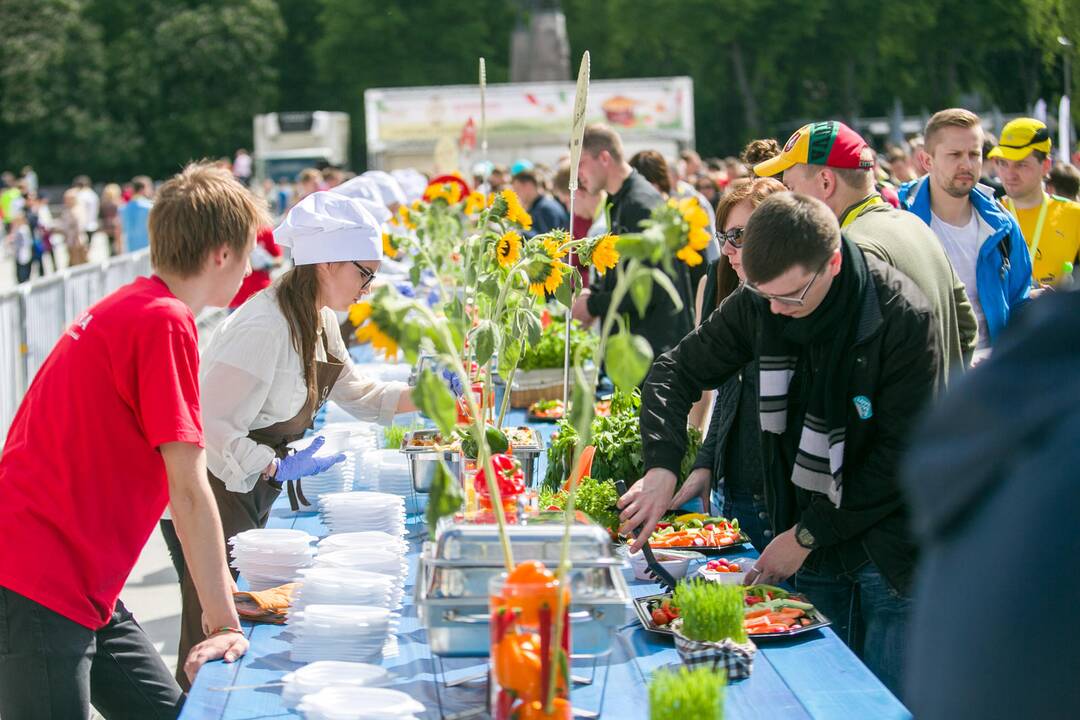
{"x":437,"y":129}
{"x":288,"y":142}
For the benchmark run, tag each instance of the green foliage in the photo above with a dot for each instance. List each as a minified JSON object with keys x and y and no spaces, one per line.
{"x":629,"y":358}
{"x":596,"y":498}
{"x":446,"y":497}
{"x":684,"y":693}
{"x":710,"y":611}
{"x":618,"y":445}
{"x":435,"y":400}
{"x":548,"y":353}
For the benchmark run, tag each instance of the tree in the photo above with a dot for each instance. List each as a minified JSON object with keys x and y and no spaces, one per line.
{"x":52,"y":89}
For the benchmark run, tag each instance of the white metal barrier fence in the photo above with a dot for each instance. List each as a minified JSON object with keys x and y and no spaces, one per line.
{"x":33,"y":316}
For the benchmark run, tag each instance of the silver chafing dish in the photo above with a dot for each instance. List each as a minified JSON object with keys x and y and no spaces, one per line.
{"x":452,"y":583}
{"x":528,"y":452}
{"x":424,"y":458}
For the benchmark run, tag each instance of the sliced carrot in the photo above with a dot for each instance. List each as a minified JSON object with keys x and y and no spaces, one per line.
{"x":757,"y":621}
{"x":757,"y":613}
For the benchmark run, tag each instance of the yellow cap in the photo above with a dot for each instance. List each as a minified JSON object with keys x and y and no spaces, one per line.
{"x":1020,"y":137}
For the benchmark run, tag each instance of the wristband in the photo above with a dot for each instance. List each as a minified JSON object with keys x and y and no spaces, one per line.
{"x":225,"y":629}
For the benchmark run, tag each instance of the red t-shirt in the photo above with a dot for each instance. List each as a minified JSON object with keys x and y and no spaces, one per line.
{"x":82,"y":484}
{"x":258,"y":279}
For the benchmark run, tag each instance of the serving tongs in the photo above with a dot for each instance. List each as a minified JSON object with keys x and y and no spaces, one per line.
{"x":653,"y":569}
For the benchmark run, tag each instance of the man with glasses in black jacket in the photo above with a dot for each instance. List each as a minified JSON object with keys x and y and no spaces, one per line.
{"x":848,"y":355}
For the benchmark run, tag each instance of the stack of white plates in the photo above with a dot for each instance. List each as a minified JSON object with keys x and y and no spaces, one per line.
{"x":360,"y":703}
{"x":353,"y":511}
{"x":384,"y":471}
{"x":347,"y":586}
{"x":315,"y":676}
{"x":268,"y":557}
{"x":354,"y":633}
{"x":371,"y":539}
{"x":385,"y":562}
{"x":336,"y":479}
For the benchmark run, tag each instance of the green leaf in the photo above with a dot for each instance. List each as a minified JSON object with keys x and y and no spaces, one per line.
{"x":414,"y":275}
{"x":563,"y":294}
{"x":489,"y":285}
{"x":510,"y":355}
{"x":664,"y":281}
{"x":582,"y":407}
{"x":484,"y":340}
{"x":641,"y":291}
{"x":411,"y":335}
{"x":445,"y":498}
{"x":533,"y":328}
{"x":436,"y":401}
{"x":628,"y":359}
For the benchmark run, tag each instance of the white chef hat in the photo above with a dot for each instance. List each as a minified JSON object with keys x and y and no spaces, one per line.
{"x":388,"y":186}
{"x":412,"y":182}
{"x":360,"y":187}
{"x":328,"y":227}
{"x":380,"y":212}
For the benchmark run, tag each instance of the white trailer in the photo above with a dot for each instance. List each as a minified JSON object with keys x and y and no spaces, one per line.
{"x":288,"y":142}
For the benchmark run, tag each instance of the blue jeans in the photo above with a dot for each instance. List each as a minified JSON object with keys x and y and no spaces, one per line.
{"x":868,"y":615}
{"x":753,"y":518}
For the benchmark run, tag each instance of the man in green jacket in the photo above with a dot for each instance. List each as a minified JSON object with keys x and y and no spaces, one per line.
{"x":831,"y":162}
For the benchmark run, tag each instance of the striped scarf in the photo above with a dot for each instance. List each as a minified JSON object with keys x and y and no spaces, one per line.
{"x":826,"y":336}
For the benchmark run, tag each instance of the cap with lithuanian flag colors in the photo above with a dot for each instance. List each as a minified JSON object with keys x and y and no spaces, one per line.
{"x":829,"y":143}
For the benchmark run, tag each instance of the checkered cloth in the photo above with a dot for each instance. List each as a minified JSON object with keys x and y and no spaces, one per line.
{"x":736,"y":659}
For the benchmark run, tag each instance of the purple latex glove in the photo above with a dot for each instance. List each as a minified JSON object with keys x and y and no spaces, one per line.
{"x":304,"y":463}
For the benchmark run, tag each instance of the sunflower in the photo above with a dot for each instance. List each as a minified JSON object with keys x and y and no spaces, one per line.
{"x":604,"y":256}
{"x":545,"y":277}
{"x":697,"y":237}
{"x":508,"y":249}
{"x":475,"y":203}
{"x":553,"y":245}
{"x":515,"y":212}
{"x":368,"y":332}
{"x":388,"y":248}
{"x":448,"y":191}
{"x":404,"y":218}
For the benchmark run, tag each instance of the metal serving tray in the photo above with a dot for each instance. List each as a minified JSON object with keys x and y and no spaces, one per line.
{"x":454,"y":572}
{"x":528,"y":454}
{"x":423,"y":461}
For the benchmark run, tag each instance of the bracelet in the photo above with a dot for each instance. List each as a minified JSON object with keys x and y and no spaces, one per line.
{"x":225,"y":629}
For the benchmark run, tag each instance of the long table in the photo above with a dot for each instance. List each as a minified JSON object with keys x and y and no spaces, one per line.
{"x":812,"y":676}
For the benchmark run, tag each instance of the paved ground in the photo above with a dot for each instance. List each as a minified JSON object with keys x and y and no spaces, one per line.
{"x":152,"y":593}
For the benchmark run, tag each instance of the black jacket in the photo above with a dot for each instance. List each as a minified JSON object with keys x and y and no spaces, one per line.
{"x":895,"y":369}
{"x":992,"y":479}
{"x":661,"y":325}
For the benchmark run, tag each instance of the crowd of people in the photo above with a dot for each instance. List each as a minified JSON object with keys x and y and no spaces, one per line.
{"x":844,"y":295}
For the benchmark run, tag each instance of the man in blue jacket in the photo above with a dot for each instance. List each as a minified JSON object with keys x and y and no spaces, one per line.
{"x":981,"y":238}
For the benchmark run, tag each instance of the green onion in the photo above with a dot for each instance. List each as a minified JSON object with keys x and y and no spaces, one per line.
{"x":711,"y":612}
{"x":685,"y":693}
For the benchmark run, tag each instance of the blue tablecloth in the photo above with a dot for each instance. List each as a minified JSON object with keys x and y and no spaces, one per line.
{"x":813,"y":676}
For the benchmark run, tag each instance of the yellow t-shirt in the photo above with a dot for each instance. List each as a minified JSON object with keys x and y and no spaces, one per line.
{"x":1060,"y":241}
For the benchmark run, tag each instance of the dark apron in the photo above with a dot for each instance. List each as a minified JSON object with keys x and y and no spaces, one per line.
{"x":250,"y":510}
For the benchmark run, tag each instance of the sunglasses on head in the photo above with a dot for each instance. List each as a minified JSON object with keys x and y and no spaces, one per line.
{"x":794,"y":301}
{"x":368,"y":275}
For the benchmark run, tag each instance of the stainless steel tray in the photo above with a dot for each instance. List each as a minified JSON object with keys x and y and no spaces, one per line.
{"x":536,"y":539}
{"x":423,"y":461}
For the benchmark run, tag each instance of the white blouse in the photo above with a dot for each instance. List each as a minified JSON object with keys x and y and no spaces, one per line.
{"x":250,"y":377}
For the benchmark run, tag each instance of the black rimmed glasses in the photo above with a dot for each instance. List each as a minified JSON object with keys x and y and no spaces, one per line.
{"x":786,"y":299}
{"x":367,"y":274}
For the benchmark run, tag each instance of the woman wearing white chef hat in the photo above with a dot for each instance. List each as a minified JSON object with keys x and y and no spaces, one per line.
{"x":269,"y":366}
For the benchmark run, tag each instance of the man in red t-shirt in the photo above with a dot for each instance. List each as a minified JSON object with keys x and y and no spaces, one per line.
{"x":108,"y":433}
{"x":266,"y":257}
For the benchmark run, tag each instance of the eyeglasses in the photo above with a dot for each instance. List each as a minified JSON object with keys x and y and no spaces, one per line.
{"x":731,"y":237}
{"x":786,"y":299}
{"x":367,"y":274}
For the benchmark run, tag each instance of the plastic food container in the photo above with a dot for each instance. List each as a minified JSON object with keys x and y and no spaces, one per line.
{"x":676,"y":562}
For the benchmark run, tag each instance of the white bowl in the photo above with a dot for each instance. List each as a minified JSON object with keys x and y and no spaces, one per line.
{"x":676,"y":562}
{"x":728,"y":578}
